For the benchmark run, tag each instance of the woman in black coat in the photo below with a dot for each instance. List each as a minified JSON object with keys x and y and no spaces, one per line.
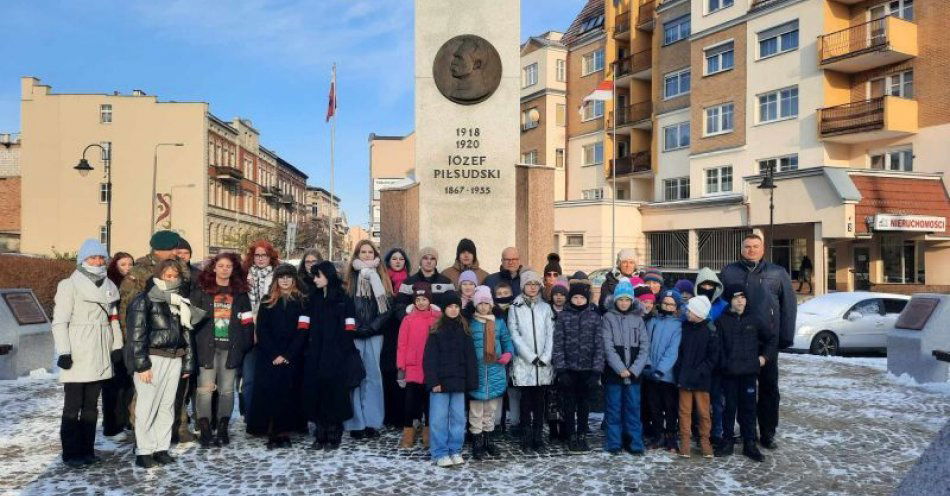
{"x":282,"y":324}
{"x":332,"y":362}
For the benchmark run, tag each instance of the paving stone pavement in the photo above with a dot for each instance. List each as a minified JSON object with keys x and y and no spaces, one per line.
{"x":847,"y":428}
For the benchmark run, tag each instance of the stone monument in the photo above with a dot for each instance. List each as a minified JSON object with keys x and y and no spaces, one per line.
{"x":26,"y":341}
{"x":467,"y":83}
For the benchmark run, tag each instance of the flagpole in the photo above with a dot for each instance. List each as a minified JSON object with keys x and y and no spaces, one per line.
{"x":332,"y":192}
{"x":613,"y":169}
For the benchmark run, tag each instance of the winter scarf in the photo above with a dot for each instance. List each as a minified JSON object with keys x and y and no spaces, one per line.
{"x":397,"y":277}
{"x":166,"y":292}
{"x":369,"y":284}
{"x":259,"y":287}
{"x":95,"y":274}
{"x":490,"y":355}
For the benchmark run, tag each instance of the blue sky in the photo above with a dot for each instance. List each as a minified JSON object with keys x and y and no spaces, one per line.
{"x":266,"y":60}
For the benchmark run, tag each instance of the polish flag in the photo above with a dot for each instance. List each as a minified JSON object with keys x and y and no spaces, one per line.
{"x":603,"y":92}
{"x":331,"y":106}
{"x":303,"y":323}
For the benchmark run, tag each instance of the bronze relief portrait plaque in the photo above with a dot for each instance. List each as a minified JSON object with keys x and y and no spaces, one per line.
{"x":467,"y":69}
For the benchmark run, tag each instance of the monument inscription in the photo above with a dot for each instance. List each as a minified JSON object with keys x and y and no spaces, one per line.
{"x":24,"y":307}
{"x":467,"y":69}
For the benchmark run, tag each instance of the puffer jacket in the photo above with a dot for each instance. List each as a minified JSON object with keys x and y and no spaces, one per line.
{"x":769,"y":291}
{"x":665,"y":333}
{"x":154,"y":330}
{"x":578,"y":340}
{"x":369,"y":321}
{"x":718,"y":305}
{"x":240,"y":329}
{"x":492,"y":377}
{"x":743,"y":339}
{"x":85,"y":325}
{"x":449,"y":360}
{"x":531,"y":324}
{"x":698,"y":357}
{"x":413,"y":333}
{"x":626,"y":344}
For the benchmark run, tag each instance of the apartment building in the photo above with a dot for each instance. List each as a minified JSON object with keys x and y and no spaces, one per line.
{"x":391,"y":164}
{"x":544,"y":105}
{"x":215,"y":188}
{"x":9,"y":192}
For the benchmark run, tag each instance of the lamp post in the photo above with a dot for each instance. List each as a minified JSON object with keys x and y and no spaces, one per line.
{"x":84,"y":169}
{"x":154,"y":181}
{"x":769,"y":183}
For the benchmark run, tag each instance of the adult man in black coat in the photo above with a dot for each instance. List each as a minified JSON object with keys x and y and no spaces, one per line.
{"x":771,"y":296}
{"x":510,"y":271}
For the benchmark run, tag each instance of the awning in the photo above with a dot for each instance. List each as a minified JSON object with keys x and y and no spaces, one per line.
{"x":889,"y":203}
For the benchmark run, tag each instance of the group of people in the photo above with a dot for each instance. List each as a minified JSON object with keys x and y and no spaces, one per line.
{"x":444,"y":356}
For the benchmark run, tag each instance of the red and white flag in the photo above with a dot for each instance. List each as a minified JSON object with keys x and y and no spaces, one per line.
{"x":603,"y":92}
{"x":331,"y":107}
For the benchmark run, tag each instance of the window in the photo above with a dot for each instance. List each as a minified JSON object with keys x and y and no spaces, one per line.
{"x":594,"y":153}
{"x":676,"y":136}
{"x":105,"y":113}
{"x":574,"y":240}
{"x":675,"y":84}
{"x":719,"y":119}
{"x":868,"y":308}
{"x":779,"y":164}
{"x":895,"y":159}
{"x":530,"y":158}
{"x":898,"y":8}
{"x":894,"y":306}
{"x":779,"y":39}
{"x":560,"y":114}
{"x":676,"y":188}
{"x":529,"y":119}
{"x":593,"y":62}
{"x":103,"y":235}
{"x":899,"y":84}
{"x":720,"y":58}
{"x":104,"y":193}
{"x":778,"y":105}
{"x":714,"y":5}
{"x":593,"y":194}
{"x":559,"y":158}
{"x":593,"y":109}
{"x":106,"y":155}
{"x":560,"y":70}
{"x":529,"y":76}
{"x":676,"y":29}
{"x":719,"y":180}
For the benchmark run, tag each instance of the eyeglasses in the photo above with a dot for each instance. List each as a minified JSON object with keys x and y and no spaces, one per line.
{"x":510,"y":259}
{"x":261,"y":255}
{"x":552,"y":274}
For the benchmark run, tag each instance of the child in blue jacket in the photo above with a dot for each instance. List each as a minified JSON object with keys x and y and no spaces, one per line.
{"x":665,"y":331}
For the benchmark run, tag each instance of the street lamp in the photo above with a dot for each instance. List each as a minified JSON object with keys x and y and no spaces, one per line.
{"x":154,"y":180}
{"x":84,"y":169}
{"x":769,"y":183}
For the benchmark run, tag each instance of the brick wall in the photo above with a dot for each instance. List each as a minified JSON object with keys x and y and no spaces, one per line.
{"x":9,"y":203}
{"x":667,"y":59}
{"x":581,"y":86}
{"x":719,"y":88}
{"x":534,"y":139}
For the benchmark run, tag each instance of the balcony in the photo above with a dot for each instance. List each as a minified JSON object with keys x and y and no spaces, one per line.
{"x":631,"y":164}
{"x":646,"y":16}
{"x":228,"y":174}
{"x":287,"y":199}
{"x":637,"y":66}
{"x":879,"y":118}
{"x":622,"y":26}
{"x":637,"y":115}
{"x":270,"y":192}
{"x":868,"y":45}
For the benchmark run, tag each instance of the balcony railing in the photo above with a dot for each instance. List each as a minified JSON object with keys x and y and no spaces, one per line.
{"x":622,"y":24}
{"x":854,"y":117}
{"x":634,"y":64}
{"x":871,"y":44}
{"x":634,"y":113}
{"x":228,"y":174}
{"x":635,"y":162}
{"x":645,"y":17}
{"x":287,"y":199}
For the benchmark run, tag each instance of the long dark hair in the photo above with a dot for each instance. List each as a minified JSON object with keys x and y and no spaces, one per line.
{"x":389,"y":255}
{"x":113,"y":271}
{"x":209,"y":283}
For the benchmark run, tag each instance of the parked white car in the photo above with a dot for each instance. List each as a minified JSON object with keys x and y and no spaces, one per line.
{"x":846,"y":321}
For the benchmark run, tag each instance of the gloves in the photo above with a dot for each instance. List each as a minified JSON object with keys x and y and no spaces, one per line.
{"x":539,"y":363}
{"x":116,"y":356}
{"x":65,"y":362}
{"x":504,"y":358}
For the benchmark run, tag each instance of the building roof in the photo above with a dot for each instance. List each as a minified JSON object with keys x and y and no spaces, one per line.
{"x":321,"y":190}
{"x":887,"y":194}
{"x":589,"y":20}
{"x":217,"y":120}
{"x":283,"y":163}
{"x":546,"y":40}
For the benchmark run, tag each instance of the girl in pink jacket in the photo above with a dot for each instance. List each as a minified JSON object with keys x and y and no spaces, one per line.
{"x":413,"y":332}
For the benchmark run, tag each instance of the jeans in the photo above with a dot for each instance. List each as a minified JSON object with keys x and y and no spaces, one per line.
{"x":447,"y":427}
{"x":220,"y":379}
{"x":717,"y":404}
{"x":367,"y":398}
{"x":739,"y":391}
{"x":623,"y":415}
{"x":80,"y":412}
{"x":247,"y":382}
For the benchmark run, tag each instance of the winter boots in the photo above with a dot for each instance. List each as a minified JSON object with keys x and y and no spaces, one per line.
{"x":490,"y":447}
{"x":725,"y":448}
{"x":478,"y":446}
{"x":205,"y":438}
{"x":408,"y":438}
{"x":750,"y":450}
{"x":145,"y":461}
{"x":162,"y":458}
{"x":223,"y":438}
{"x":425,"y":436}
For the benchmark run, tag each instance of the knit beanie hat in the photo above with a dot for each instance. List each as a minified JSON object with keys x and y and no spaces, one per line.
{"x":699,"y":306}
{"x":421,"y":288}
{"x":183,"y":244}
{"x":624,"y":290}
{"x":626,"y":254}
{"x":684,"y":286}
{"x":428,"y":250}
{"x":579,"y":284}
{"x":560,"y":287}
{"x":648,"y":296}
{"x":450,"y":298}
{"x":670,"y":293}
{"x":284,"y":270}
{"x":483,"y":295}
{"x":468,"y":276}
{"x":732,"y":290}
{"x":466,"y":245}
{"x":164,"y":240}
{"x":554,"y":264}
{"x":653,"y":274}
{"x":636,"y":282}
{"x":91,"y":248}
{"x":530,"y":276}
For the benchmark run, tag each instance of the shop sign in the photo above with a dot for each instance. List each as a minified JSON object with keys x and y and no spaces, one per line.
{"x":921,"y":223}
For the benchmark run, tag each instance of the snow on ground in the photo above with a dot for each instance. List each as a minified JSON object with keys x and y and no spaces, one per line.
{"x":847,"y":428}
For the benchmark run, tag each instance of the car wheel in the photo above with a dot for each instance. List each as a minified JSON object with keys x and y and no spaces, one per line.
{"x":825,"y":343}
